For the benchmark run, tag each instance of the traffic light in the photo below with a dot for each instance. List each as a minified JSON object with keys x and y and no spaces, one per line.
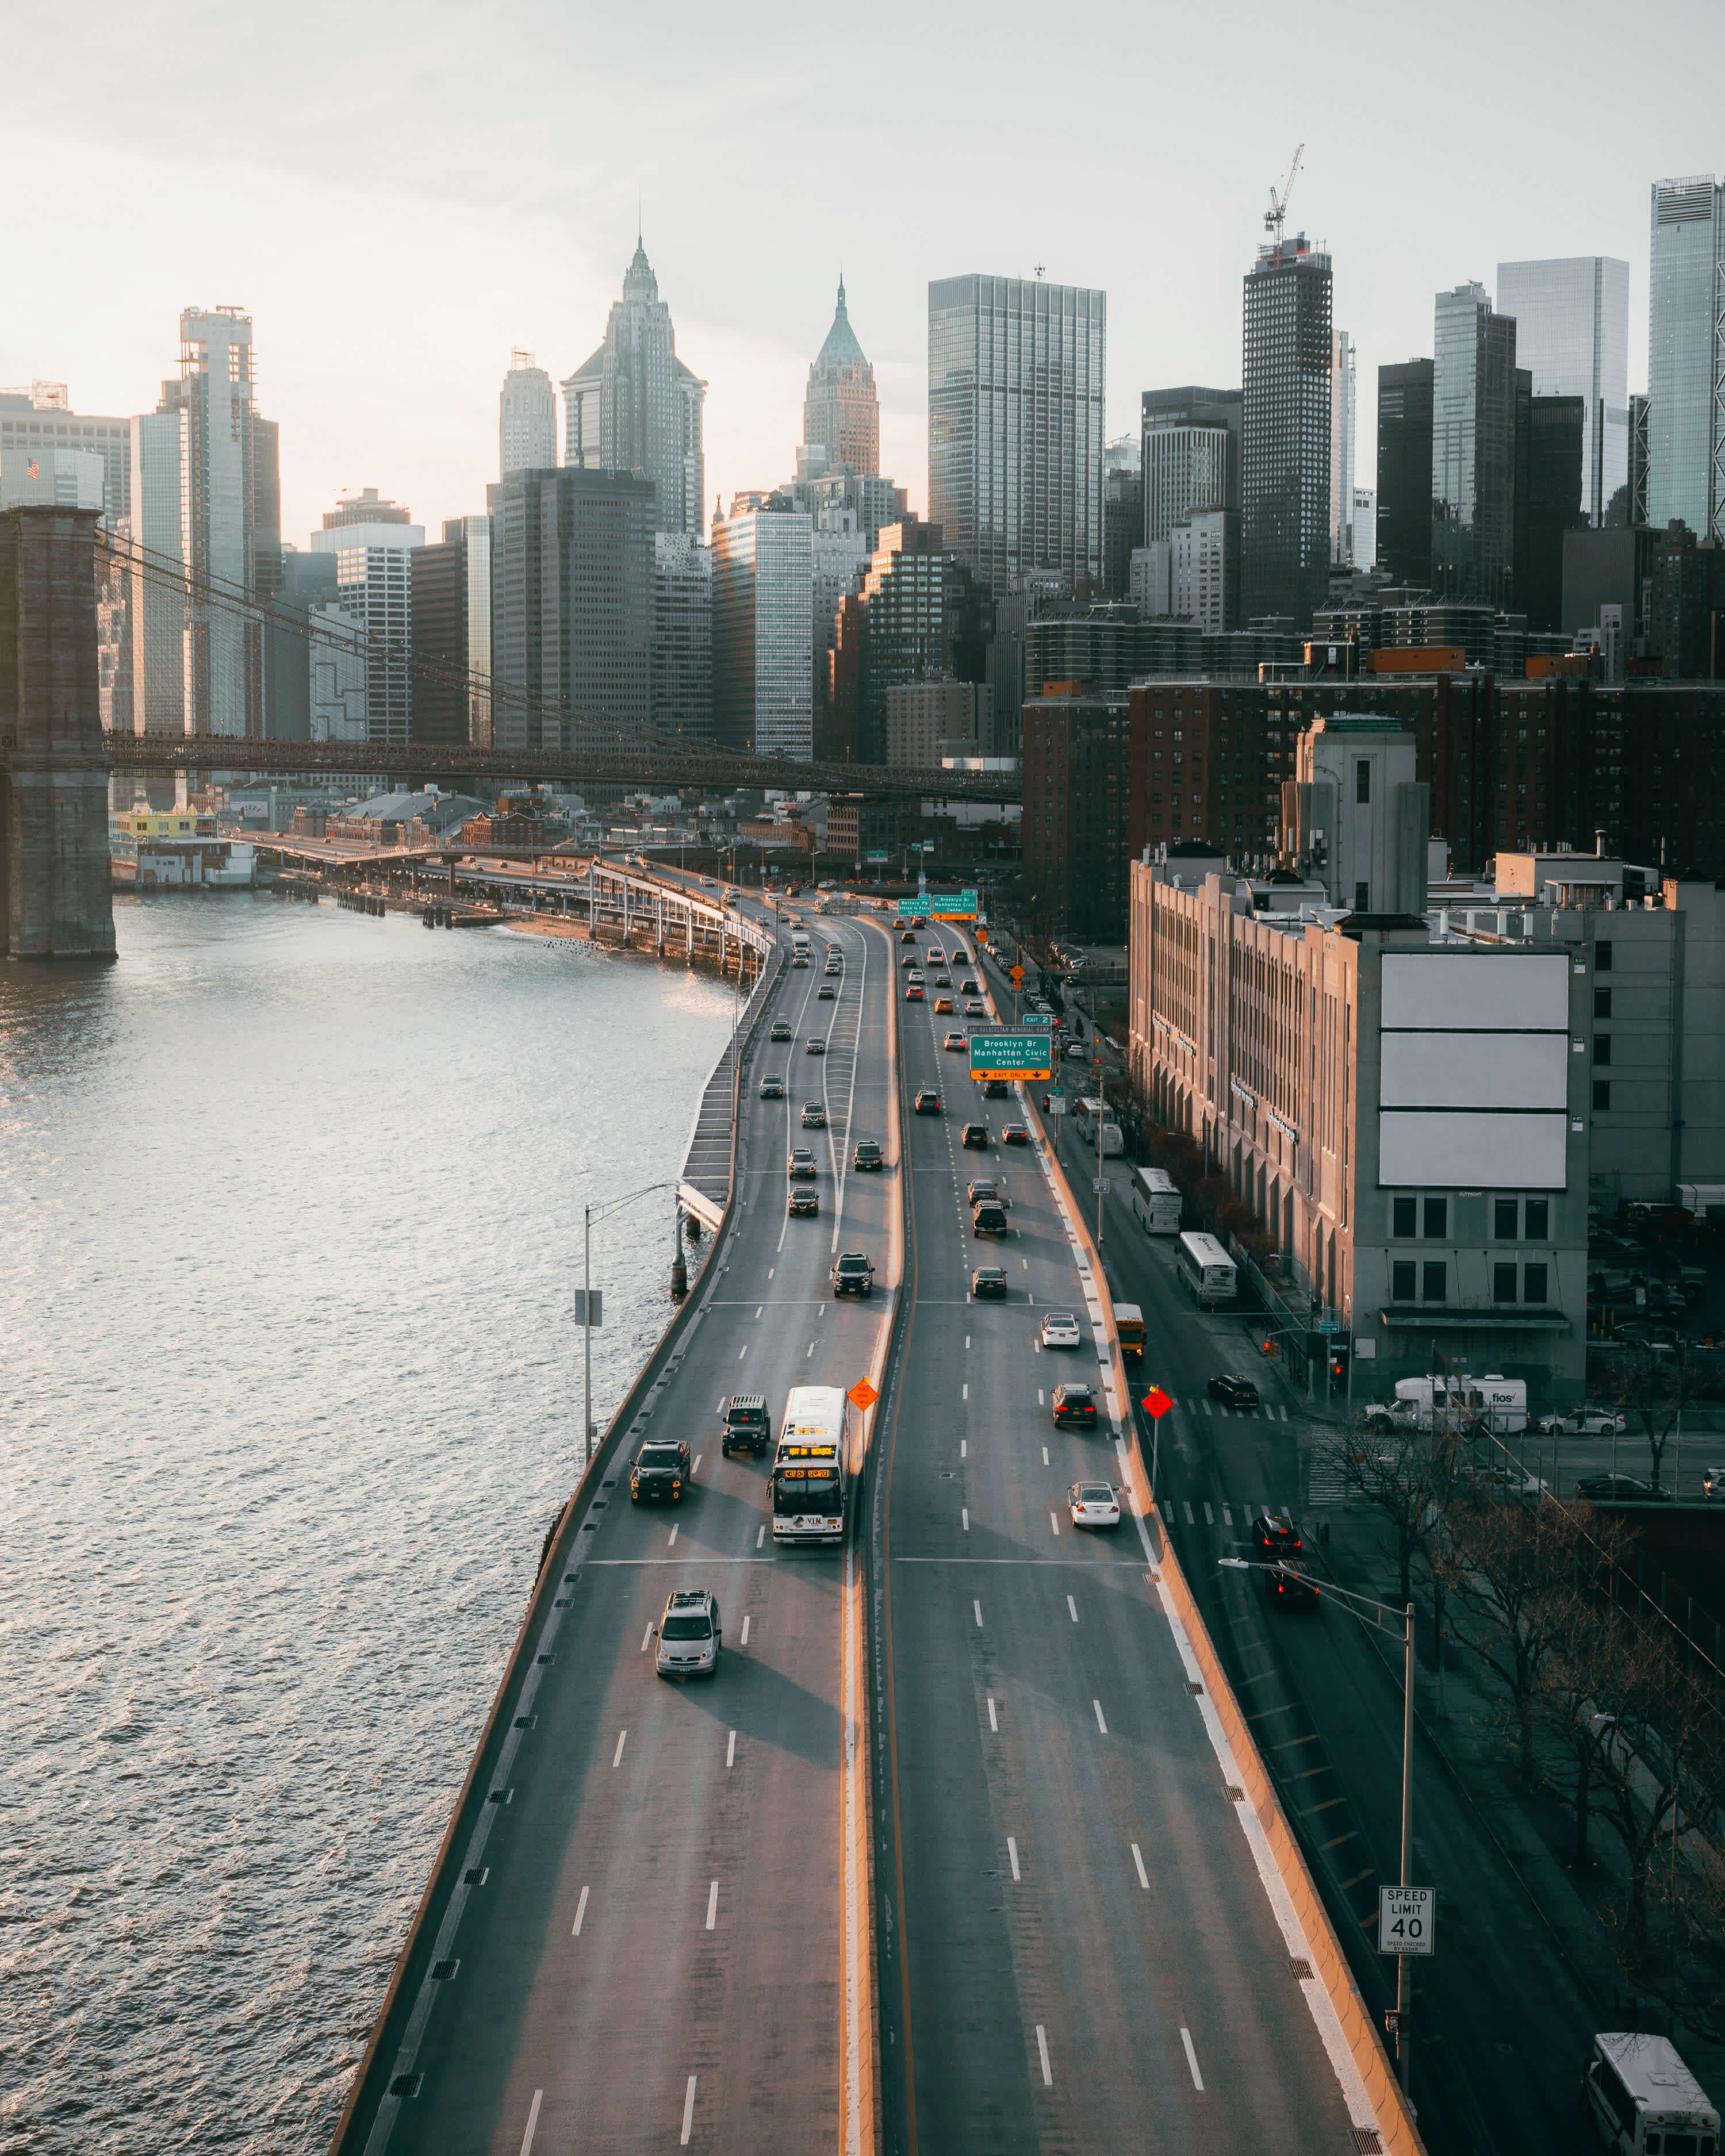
{"x":1340,"y":1352}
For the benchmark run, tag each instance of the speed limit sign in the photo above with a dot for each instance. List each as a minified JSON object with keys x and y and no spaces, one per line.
{"x":1407,"y":1917}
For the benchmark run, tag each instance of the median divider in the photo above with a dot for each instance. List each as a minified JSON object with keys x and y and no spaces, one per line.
{"x":406,"y":2001}
{"x":1364,"y":2072}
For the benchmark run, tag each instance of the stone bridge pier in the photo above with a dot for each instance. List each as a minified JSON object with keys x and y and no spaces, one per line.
{"x":56,"y":898}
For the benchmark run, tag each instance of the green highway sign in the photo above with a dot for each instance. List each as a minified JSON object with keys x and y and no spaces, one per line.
{"x":952,"y":904}
{"x":1010,"y":1055}
{"x":913,"y":909}
{"x":1036,"y":1022}
{"x":875,"y":857}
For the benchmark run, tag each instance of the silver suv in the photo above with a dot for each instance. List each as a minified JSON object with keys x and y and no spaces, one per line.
{"x":689,"y":1636}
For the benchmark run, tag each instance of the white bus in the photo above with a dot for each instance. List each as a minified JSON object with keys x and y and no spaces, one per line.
{"x":810,"y":1484}
{"x":1210,"y":1275}
{"x":1641,"y":2097}
{"x":1086,"y":1116}
{"x":1156,"y":1201}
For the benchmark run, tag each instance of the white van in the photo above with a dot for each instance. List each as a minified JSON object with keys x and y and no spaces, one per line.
{"x":1645,"y":2101}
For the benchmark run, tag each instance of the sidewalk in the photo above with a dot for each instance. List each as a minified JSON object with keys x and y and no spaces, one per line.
{"x":1463,"y":1718}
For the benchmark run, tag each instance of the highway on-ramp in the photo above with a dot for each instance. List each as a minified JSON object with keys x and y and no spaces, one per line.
{"x":650,"y":1955}
{"x":1077,"y":1948}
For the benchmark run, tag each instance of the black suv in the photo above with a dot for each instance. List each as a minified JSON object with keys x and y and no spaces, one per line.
{"x":1275,"y":1533}
{"x":868,"y":1155}
{"x":662,"y":1469}
{"x":1074,"y":1406}
{"x":1233,"y":1391}
{"x":853,"y":1274}
{"x":746,"y":1426}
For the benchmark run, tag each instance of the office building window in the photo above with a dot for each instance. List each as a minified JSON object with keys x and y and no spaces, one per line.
{"x":1602,"y":1048}
{"x":1361,"y":898}
{"x":1602,"y":957}
{"x":1434,"y":1281}
{"x":1602,"y":1092}
{"x":1401,"y":1281}
{"x":1437,"y":1220}
{"x":1538,"y":1219}
{"x":1533,"y":1284}
{"x":1504,"y":1213}
{"x":1602,"y":1003}
{"x":1503,"y":1283}
{"x":1405,"y":1216}
{"x":1362,"y":781}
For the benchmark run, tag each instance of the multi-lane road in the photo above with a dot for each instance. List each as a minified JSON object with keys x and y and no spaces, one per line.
{"x":651,"y":1956}
{"x":1077,"y":1951}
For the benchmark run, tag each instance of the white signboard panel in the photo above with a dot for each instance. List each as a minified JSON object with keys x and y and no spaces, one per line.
{"x":1467,"y":990}
{"x":1456,"y":1149}
{"x":1407,"y":1919}
{"x":1458,"y":1070}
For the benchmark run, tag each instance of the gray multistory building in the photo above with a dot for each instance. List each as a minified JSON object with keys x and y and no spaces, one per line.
{"x":1191,"y":455}
{"x":682,"y":640}
{"x":526,"y":418}
{"x":1344,"y":360}
{"x":450,"y":592}
{"x":373,"y":540}
{"x":633,"y":407}
{"x":1473,"y":448}
{"x":1403,"y":534}
{"x":1017,"y":413}
{"x":572,"y":609}
{"x":1286,"y":420}
{"x":763,"y":615}
{"x":1686,"y":356}
{"x":1572,"y":334}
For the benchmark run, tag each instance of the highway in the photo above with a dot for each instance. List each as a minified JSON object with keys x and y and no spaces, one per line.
{"x":649,"y":1955}
{"x":1496,"y":2053}
{"x":1077,"y":1950}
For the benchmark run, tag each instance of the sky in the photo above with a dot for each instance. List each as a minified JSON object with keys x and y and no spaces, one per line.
{"x":400,"y":194}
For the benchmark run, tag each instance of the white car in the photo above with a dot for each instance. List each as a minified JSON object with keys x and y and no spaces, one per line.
{"x":1584,"y":1422}
{"x":1093,"y":1505}
{"x":1060,"y":1329}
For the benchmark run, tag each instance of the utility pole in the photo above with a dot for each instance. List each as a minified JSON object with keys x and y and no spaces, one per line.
{"x":586,"y":1334}
{"x":1404,"y":1972}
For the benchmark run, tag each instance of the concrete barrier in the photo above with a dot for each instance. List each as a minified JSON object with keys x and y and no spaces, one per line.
{"x":407,"y":1997}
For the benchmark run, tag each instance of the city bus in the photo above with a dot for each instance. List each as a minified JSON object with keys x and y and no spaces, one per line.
{"x":1086,"y":1116}
{"x":1209,"y":1274}
{"x":1156,"y":1201}
{"x":810,"y":1483}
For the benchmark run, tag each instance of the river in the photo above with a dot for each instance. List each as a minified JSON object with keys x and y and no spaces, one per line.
{"x":290,"y":1212}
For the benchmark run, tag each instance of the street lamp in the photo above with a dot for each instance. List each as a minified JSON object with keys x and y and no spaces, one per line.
{"x":1360,"y":1606}
{"x":593,"y":1303}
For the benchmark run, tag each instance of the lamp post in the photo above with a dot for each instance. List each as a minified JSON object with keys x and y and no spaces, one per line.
{"x":592,"y":1305}
{"x":1359,"y":1606}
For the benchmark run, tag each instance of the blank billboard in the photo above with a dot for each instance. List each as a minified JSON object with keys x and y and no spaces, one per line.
{"x":1454,"y":1071}
{"x":1471,"y":990}
{"x":1445,"y":1150}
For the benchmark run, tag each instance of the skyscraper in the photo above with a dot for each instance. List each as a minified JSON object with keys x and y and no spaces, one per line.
{"x":841,"y":412}
{"x":1285,"y":503}
{"x":204,"y":495}
{"x":682,"y":641}
{"x":1572,"y":334}
{"x":633,"y":407}
{"x":1017,"y":411}
{"x":449,"y":592}
{"x":1473,"y":449}
{"x":763,"y":613}
{"x":1686,"y":356}
{"x":373,"y":541}
{"x":1343,"y":362}
{"x":572,"y":609}
{"x":1191,"y":455}
{"x":1548,"y":486}
{"x":527,"y":418}
{"x":1122,"y":513}
{"x":1404,"y":473}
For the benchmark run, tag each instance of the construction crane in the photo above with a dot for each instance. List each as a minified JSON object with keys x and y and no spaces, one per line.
{"x":1278,"y":208}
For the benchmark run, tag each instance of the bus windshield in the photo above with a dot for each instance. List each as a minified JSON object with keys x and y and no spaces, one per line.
{"x":811,"y":1489}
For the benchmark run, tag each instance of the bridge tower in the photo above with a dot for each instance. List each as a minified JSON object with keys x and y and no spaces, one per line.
{"x":56,"y":899}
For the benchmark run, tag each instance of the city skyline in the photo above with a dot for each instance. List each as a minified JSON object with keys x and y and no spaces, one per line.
{"x":748,"y":267}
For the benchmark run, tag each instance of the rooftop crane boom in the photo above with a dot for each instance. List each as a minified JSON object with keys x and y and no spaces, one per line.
{"x":1278,"y":209}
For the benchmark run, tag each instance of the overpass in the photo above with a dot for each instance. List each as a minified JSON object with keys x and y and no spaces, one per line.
{"x":950,"y":1854}
{"x":712,"y":771}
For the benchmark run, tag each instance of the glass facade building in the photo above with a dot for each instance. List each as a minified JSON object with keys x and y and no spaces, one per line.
{"x":1572,"y":334}
{"x":763,"y":622}
{"x":682,"y":640}
{"x":1017,"y":412}
{"x":1473,"y":449}
{"x":1686,"y":356}
{"x":1285,"y":445}
{"x":633,"y":407}
{"x":1403,"y":534}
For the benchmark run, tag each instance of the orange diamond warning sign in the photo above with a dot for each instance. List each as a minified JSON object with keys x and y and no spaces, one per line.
{"x":1156,"y":1404}
{"x":862,"y":1394}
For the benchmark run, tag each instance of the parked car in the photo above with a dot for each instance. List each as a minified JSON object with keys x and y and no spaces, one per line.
{"x":1620,"y":1489}
{"x":1584,"y":1422}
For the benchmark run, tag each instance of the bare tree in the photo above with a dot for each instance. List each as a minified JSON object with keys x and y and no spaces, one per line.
{"x":1511,"y":1567}
{"x":1653,"y":1390}
{"x":1568,"y":1696}
{"x":1409,"y":1477}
